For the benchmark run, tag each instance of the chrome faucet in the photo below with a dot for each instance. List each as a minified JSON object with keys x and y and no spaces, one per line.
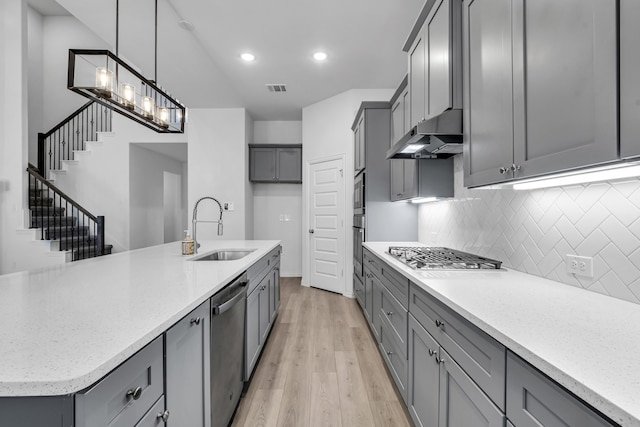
{"x":194,"y":221}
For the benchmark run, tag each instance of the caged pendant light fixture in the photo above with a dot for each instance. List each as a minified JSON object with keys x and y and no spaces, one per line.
{"x":104,"y":78}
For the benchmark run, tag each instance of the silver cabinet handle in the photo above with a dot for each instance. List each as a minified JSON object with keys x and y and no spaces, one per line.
{"x":515,"y":168}
{"x":439,"y":323}
{"x":439,"y":360}
{"x":311,"y":231}
{"x":195,"y":321}
{"x":389,"y":313}
{"x":164,"y":416}
{"x":389,"y":353}
{"x":274,"y":256}
{"x":432,"y":352}
{"x":504,"y":170}
{"x":134,"y":393}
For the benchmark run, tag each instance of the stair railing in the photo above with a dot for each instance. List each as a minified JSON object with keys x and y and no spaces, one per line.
{"x":63,"y":219}
{"x":70,"y":135}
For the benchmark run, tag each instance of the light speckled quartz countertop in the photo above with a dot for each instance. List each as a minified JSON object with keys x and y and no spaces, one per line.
{"x":64,"y":328}
{"x":587,"y":342}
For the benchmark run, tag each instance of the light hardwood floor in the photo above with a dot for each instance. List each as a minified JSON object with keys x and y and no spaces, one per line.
{"x":321,"y":367}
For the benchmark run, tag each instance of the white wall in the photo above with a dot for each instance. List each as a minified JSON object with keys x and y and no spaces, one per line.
{"x":277,"y":208}
{"x":146,"y":186}
{"x":35,"y":25}
{"x":218,"y":168}
{"x":326,"y":131}
{"x":60,"y":34}
{"x":532,"y":231}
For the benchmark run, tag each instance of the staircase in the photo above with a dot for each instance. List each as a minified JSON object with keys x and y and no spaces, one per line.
{"x":64,"y":222}
{"x":57,"y":217}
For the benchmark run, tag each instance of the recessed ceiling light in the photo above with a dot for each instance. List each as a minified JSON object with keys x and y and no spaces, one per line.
{"x":247,"y":57}
{"x":320,"y":56}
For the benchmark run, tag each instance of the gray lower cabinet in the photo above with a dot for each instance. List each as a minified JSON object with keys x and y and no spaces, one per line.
{"x":462,"y":402}
{"x":55,"y":411}
{"x":358,"y":289}
{"x":124,"y":396}
{"x":187,"y":358}
{"x":395,"y":356}
{"x":158,"y":416}
{"x":275,"y":163}
{"x":368,"y":295}
{"x":440,"y":393}
{"x":263,"y":302}
{"x":534,"y":401}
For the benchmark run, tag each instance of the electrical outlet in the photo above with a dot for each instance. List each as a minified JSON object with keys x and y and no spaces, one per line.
{"x":579,"y":265}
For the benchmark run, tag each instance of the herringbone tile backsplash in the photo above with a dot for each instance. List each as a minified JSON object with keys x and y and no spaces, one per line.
{"x":533,"y":231}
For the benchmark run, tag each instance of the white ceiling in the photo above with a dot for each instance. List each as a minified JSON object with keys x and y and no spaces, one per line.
{"x":363,"y":40}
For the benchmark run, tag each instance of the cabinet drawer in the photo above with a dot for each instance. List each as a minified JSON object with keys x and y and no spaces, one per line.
{"x":153,"y":418}
{"x":534,"y":400}
{"x":126,"y":394}
{"x":395,"y":314}
{"x":394,"y":356}
{"x":371,"y":262}
{"x":481,"y":357}
{"x":257,"y":271}
{"x":397,"y":284}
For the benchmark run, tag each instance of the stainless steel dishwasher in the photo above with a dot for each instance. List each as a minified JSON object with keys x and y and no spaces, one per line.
{"x":227,"y":350}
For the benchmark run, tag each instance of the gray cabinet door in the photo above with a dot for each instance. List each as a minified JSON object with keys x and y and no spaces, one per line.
{"x":252,"y":334}
{"x":424,"y":376}
{"x":360,"y":142}
{"x":534,"y":401}
{"x":187,"y":370}
{"x":154,"y":418}
{"x":410,"y":178}
{"x":368,"y":295}
{"x":397,"y":120}
{"x":564,"y":84}
{"x":265,"y":316}
{"x":487,"y":114}
{"x":396,"y":171}
{"x":443,"y":49}
{"x":462,"y":402}
{"x":629,"y":78}
{"x":276,"y":288}
{"x":376,"y":307}
{"x":289,"y":164}
{"x":263,"y":164}
{"x":417,"y":79}
{"x":50,"y":411}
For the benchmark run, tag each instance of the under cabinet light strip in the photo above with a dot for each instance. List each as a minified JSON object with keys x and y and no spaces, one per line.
{"x":611,"y":173}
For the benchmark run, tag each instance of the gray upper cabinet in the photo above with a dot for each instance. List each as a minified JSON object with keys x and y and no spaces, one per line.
{"x":403,"y":173}
{"x":187,"y":369}
{"x":275,"y":163}
{"x":565,"y":83}
{"x":533,"y":400}
{"x":488,"y":94}
{"x":540,"y":81}
{"x":629,"y":78}
{"x":417,"y":73}
{"x":443,"y":57}
{"x":359,"y":145}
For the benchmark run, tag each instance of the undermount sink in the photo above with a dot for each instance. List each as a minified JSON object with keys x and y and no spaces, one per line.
{"x":225,"y":255}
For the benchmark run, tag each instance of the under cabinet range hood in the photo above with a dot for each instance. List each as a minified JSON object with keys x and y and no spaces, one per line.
{"x":437,"y":137}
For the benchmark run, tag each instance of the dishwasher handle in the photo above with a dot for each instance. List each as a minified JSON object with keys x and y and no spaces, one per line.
{"x":225,"y":306}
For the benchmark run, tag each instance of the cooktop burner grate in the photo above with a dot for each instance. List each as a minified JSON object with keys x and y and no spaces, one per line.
{"x":434,"y":258}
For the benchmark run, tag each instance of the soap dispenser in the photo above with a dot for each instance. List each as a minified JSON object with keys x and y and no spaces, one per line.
{"x":187,"y":244}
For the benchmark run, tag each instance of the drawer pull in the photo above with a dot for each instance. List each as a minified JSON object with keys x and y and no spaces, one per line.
{"x":432,"y":352}
{"x":389,"y":313}
{"x":134,"y":393}
{"x":439,"y":323}
{"x":274,"y":256}
{"x":164,"y":416}
{"x":439,"y":360}
{"x":195,"y":321}
{"x":389,"y":353}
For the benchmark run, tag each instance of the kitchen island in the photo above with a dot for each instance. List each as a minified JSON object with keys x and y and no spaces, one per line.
{"x":586,"y":342}
{"x":62,"y":329}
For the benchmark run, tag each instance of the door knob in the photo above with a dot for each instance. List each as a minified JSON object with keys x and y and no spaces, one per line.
{"x":311,"y":231}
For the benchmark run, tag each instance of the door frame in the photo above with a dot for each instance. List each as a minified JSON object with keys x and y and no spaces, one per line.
{"x":347,"y":291}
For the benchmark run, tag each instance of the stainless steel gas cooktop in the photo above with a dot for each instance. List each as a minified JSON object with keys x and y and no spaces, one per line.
{"x":432,"y":258}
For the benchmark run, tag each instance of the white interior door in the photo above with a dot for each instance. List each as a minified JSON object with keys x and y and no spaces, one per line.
{"x":326,"y":225}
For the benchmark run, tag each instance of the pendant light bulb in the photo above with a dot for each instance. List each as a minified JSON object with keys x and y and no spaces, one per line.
{"x":128,"y":94}
{"x":104,"y":81}
{"x":148,"y":107}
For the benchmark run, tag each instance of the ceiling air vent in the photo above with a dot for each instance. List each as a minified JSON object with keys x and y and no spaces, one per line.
{"x":277,"y":88}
